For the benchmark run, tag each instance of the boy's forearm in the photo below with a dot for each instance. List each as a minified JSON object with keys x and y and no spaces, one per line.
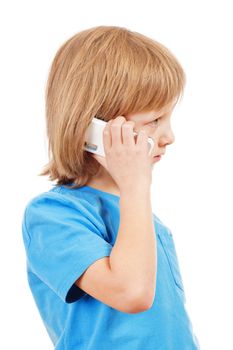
{"x":133,"y":257}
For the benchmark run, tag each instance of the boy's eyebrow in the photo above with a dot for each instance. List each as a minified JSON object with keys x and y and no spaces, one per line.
{"x":148,"y":119}
{"x":158,"y":116}
{"x":164,"y":114}
{"x":154,"y":117}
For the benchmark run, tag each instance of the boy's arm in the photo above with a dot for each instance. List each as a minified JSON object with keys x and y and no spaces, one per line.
{"x":126,"y":279}
{"x":133,"y":257}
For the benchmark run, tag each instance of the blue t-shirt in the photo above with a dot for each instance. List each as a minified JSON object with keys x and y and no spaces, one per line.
{"x":65,"y":231}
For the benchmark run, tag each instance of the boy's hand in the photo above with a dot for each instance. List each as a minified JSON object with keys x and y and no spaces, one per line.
{"x":128,"y":161}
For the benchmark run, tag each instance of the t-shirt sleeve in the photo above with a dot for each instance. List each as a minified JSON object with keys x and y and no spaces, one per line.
{"x":63,"y":237}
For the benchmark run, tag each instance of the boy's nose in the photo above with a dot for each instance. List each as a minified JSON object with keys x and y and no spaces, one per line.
{"x":165,"y":139}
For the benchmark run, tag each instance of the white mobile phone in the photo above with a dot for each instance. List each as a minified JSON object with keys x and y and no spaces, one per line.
{"x":94,"y":138}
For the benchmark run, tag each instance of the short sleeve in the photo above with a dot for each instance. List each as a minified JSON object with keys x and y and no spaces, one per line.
{"x":62,"y":239}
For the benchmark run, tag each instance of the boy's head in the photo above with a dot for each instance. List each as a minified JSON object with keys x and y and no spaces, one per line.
{"x":105,"y":71}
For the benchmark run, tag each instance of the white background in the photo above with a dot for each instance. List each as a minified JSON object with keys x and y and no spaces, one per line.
{"x":192,"y":184}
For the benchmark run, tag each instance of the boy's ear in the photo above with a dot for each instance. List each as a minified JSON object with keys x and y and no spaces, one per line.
{"x":101,"y":160}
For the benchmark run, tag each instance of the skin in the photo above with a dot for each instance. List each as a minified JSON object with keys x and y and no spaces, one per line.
{"x":157,"y":125}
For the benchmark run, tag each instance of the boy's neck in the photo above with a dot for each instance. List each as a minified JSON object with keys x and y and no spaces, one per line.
{"x":104,"y":182}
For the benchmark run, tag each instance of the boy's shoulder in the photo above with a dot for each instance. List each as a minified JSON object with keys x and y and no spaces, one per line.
{"x":62,"y":199}
{"x":58,"y":194}
{"x":56,"y":206}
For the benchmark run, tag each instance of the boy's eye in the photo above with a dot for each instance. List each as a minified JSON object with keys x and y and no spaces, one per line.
{"x":155,"y":121}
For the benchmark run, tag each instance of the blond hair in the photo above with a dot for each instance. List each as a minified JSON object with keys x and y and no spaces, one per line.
{"x":104,"y":71}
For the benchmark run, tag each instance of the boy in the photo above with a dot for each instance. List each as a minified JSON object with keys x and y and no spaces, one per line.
{"x":101,"y":266}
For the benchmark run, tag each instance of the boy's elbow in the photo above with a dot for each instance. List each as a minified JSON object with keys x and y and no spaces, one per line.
{"x":142,"y":301}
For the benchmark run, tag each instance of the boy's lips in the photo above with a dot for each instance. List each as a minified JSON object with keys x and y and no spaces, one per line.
{"x":156,"y":158}
{"x":159,"y":155}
